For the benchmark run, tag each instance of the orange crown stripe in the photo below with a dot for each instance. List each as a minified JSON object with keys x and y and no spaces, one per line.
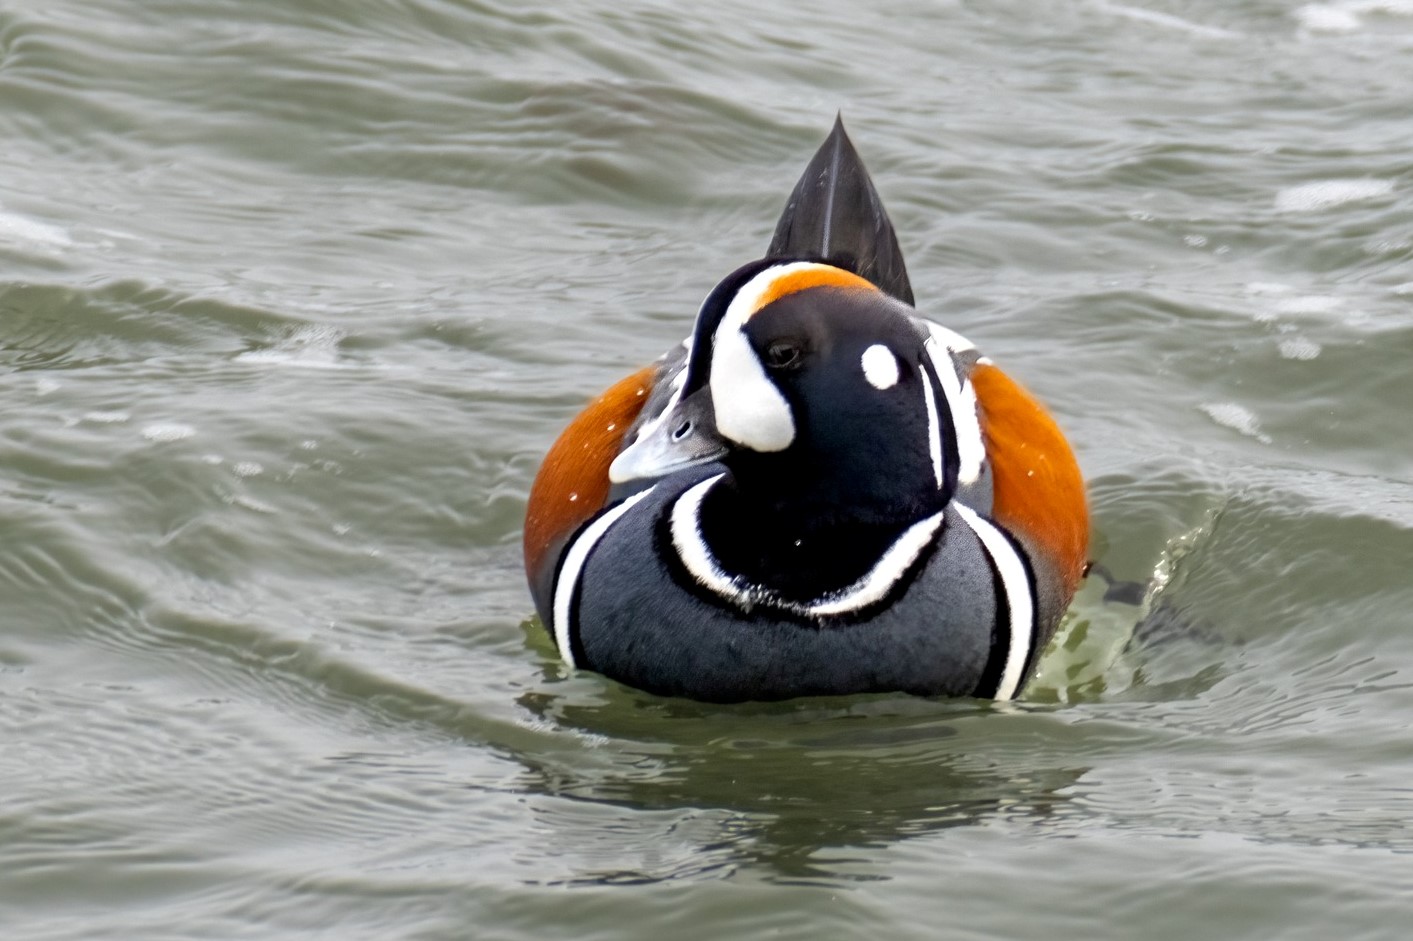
{"x":814,"y":276}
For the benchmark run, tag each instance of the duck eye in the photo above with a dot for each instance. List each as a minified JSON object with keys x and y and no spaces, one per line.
{"x":782,"y":354}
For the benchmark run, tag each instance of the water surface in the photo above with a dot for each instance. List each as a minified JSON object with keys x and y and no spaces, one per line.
{"x":293,"y":297}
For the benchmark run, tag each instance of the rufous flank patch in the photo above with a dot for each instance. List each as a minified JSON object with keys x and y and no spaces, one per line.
{"x":1039,"y":492}
{"x":573,"y":484}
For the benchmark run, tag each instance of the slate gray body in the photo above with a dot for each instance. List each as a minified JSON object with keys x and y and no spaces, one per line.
{"x":640,"y":620}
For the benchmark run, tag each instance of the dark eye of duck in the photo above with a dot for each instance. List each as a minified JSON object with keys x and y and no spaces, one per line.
{"x":782,"y":354}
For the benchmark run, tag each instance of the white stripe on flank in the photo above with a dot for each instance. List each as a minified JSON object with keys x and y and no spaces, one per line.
{"x":573,"y":566}
{"x":873,"y":587}
{"x":1016,"y":585}
{"x":961,"y":400}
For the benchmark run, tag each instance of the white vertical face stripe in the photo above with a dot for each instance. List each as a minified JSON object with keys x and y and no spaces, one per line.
{"x":569,"y":572}
{"x":872,"y":588}
{"x":961,"y":400}
{"x":1019,"y":600}
{"x":880,"y":367}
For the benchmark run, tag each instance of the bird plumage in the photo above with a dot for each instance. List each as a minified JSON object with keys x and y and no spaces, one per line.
{"x":818,"y":492}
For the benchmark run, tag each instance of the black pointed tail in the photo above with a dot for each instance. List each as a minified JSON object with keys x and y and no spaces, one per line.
{"x":835,"y":215}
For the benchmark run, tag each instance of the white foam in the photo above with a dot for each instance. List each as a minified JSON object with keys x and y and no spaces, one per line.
{"x":1327,"y":18}
{"x":1347,"y":17}
{"x":168,"y":431}
{"x":1236,"y":417}
{"x":311,"y":346}
{"x":1298,"y":348}
{"x":247,"y":469}
{"x":1309,"y":304}
{"x":1167,"y":21}
{"x":20,"y":230}
{"x":1324,"y":194}
{"x":106,"y":417}
{"x":1263,"y":288}
{"x":250,"y":503}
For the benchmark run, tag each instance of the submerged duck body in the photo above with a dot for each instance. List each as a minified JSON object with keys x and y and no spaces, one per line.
{"x":819,"y":492}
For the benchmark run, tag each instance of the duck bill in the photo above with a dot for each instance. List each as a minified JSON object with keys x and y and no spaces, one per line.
{"x":683,"y":436}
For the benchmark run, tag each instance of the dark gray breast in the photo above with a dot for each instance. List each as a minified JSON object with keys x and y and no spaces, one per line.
{"x":639,"y":617}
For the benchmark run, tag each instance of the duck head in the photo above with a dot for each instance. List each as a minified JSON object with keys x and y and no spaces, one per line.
{"x":815,"y":389}
{"x":806,"y":375}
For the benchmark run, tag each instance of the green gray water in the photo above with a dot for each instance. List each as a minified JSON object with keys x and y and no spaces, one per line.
{"x":293,"y":296}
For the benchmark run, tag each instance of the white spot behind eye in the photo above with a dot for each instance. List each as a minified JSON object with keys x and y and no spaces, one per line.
{"x":880,"y":367}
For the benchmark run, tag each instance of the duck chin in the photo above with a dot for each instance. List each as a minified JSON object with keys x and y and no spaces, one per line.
{"x":811,"y":492}
{"x":802,"y":540}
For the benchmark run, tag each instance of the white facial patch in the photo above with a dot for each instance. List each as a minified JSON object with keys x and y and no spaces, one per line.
{"x":749,"y":407}
{"x":880,"y":367}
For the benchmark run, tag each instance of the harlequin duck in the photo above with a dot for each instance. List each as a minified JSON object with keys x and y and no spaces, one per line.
{"x":818,"y":492}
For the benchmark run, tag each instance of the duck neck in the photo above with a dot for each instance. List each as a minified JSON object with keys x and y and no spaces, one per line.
{"x":804,"y":535}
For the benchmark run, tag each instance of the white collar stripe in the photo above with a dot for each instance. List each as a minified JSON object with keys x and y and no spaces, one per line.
{"x":873,"y":587}
{"x":693,"y":551}
{"x":1019,"y":600}
{"x":886,"y":572}
{"x":568,"y":581}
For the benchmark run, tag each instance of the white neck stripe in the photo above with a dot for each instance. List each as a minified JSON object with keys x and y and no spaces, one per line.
{"x":573,"y":566}
{"x":1016,"y":584}
{"x":961,"y":401}
{"x":873,"y":587}
{"x":934,"y":428}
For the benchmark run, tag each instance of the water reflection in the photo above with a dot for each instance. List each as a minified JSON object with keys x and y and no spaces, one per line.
{"x":808,"y":791}
{"x":794,"y":791}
